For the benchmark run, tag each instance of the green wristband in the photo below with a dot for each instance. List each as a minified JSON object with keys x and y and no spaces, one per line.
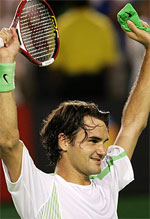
{"x":129,"y":13}
{"x":7,"y":75}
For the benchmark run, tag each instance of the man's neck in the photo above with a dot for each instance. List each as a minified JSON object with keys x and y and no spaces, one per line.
{"x":72,"y":176}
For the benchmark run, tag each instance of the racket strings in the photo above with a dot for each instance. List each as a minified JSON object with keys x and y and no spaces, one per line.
{"x":35,"y":28}
{"x":41,"y":34}
{"x":37,"y":40}
{"x":38,"y":30}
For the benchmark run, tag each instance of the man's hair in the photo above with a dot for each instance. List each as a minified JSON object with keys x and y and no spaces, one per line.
{"x":67,"y":119}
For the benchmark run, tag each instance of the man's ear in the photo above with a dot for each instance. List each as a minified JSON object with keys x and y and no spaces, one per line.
{"x":63,"y":142}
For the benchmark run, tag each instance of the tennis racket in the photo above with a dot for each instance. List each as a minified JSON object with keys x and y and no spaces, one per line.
{"x":37,"y":31}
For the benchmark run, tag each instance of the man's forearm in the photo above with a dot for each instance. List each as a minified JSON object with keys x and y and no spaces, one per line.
{"x":137,"y":107}
{"x":8,"y":120}
{"x":9,"y":136}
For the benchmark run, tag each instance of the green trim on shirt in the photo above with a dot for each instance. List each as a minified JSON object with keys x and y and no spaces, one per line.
{"x":51,"y":209}
{"x":110,"y":163}
{"x":52,"y":174}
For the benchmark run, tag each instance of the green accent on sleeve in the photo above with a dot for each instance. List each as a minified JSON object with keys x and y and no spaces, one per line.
{"x":7,"y":74}
{"x":110,"y":163}
{"x":129,"y":13}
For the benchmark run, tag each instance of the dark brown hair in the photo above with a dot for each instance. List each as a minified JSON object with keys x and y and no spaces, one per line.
{"x":67,"y":119}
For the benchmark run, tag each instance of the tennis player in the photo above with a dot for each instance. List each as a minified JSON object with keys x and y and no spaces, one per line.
{"x":87,"y":179}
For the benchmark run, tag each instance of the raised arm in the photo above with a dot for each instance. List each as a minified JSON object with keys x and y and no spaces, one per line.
{"x":10,"y":147}
{"x":137,"y":108}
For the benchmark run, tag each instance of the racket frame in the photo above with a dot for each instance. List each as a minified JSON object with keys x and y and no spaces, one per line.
{"x":16,"y":24}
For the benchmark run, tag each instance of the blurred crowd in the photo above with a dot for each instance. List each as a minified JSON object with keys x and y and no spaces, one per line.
{"x":96,"y":60}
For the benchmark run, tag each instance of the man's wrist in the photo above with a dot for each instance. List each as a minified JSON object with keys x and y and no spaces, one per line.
{"x":7,"y":77}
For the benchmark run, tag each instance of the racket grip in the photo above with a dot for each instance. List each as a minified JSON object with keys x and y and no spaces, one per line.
{"x":1,"y":43}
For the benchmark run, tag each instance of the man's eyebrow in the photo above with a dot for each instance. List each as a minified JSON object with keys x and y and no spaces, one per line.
{"x":107,"y":139}
{"x":98,"y":138}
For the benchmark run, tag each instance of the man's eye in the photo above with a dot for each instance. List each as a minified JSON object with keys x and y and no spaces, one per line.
{"x":93,"y":141}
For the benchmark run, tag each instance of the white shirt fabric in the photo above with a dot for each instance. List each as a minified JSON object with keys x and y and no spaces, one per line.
{"x":37,"y":195}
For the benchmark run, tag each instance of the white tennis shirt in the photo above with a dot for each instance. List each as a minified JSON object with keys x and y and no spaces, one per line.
{"x":48,"y":196}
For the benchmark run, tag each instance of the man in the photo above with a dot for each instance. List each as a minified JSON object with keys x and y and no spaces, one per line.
{"x":87,"y":180}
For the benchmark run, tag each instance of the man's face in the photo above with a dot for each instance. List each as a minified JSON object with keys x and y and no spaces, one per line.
{"x":86,"y":154}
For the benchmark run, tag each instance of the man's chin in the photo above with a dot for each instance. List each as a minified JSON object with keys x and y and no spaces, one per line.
{"x":95,"y":172}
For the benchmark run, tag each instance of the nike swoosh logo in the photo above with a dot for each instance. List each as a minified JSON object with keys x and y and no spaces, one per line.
{"x":129,"y":14}
{"x":4,"y":76}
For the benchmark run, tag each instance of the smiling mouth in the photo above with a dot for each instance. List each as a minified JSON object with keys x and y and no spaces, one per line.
{"x":96,"y":160}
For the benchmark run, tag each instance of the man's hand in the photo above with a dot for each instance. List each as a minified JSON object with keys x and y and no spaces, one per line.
{"x":10,"y":38}
{"x":139,"y":35}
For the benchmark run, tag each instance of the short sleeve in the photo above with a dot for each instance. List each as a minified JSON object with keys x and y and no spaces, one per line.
{"x":117,"y":166}
{"x":32,"y":188}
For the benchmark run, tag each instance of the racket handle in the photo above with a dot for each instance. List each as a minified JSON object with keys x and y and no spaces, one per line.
{"x":1,"y":42}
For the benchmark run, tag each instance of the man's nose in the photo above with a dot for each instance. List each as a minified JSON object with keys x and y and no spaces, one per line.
{"x":101,"y":150}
